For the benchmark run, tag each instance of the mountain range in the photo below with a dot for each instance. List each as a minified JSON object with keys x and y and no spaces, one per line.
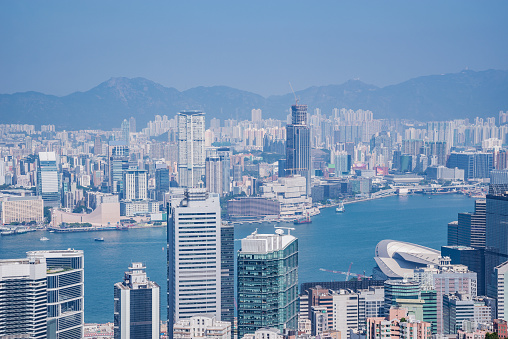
{"x":466,"y":94}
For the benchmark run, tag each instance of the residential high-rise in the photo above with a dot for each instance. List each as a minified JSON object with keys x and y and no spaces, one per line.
{"x":137,"y":305}
{"x":97,"y":146}
{"x":65,"y":292}
{"x":298,"y":156}
{"x":136,"y":184}
{"x":256,"y":115}
{"x":48,"y":179}
{"x":227,"y":250}
{"x":267,"y":282}
{"x":126,"y":130}
{"x":23,"y":298}
{"x":191,"y":148}
{"x":194,"y":255}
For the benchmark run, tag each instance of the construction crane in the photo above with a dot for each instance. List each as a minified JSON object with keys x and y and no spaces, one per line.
{"x":296,"y":99}
{"x":348,"y":273}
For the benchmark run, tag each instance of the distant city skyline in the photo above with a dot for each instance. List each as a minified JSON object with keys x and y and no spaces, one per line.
{"x":59,"y":48}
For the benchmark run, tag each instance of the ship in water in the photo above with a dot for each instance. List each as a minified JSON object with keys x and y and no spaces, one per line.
{"x":99,"y":239}
{"x":44,"y":239}
{"x":304,"y":220}
{"x":340,"y":208}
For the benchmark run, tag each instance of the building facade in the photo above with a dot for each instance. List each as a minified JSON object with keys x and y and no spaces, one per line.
{"x":136,"y":306}
{"x":191,"y":148}
{"x":267,"y":282}
{"x":298,"y":156}
{"x":48,"y":179}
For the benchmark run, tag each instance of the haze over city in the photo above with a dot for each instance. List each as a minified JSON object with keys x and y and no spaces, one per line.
{"x":253,"y":170}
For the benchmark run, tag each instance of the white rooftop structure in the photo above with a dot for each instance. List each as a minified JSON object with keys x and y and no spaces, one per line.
{"x":266,"y":243}
{"x":398,"y":259}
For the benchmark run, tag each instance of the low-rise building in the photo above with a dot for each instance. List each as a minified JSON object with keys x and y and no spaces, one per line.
{"x":21,"y":209}
{"x":202,"y":326}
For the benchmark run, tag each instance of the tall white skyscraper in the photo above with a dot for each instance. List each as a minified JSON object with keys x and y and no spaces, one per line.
{"x":23,"y":298}
{"x":65,"y":292}
{"x":137,"y":305}
{"x":136,"y":182}
{"x":48,"y":181}
{"x":194,"y":264}
{"x":191,"y":148}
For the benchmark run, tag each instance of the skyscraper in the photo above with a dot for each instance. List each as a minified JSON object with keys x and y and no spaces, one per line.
{"x":194,"y":255}
{"x":267,"y":282}
{"x":191,"y":148}
{"x":298,"y":157}
{"x":48,"y":180}
{"x":227,"y":249}
{"x":136,"y":184}
{"x":65,"y":292}
{"x":126,"y":130}
{"x":137,"y":305}
{"x":118,"y":161}
{"x":213,"y":170}
{"x":471,"y":226}
{"x":23,"y":298}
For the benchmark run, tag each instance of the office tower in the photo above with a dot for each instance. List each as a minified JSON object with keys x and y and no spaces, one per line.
{"x":267,"y":282}
{"x":399,"y":289}
{"x":23,"y":298}
{"x":227,"y":249}
{"x":65,"y":293}
{"x":48,"y":180}
{"x":137,"y":305}
{"x":191,"y":148}
{"x":370,"y":305}
{"x":453,"y":233}
{"x":256,"y":115}
{"x":457,"y":307}
{"x":118,"y":161}
{"x":161,"y":182}
{"x":213,"y":171}
{"x":345,"y":312}
{"x":471,"y":226}
{"x":224,"y":154}
{"x":475,"y":164}
{"x":473,"y":258}
{"x":136,"y":182}
{"x":298,"y":157}
{"x":319,"y":297}
{"x":194,"y":262}
{"x":429,"y":296}
{"x":126,"y":130}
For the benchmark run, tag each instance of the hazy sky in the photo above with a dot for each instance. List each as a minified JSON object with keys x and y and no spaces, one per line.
{"x":58,"y":47}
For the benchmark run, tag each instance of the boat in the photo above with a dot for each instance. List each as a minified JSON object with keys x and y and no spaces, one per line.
{"x":99,"y":239}
{"x":43,"y":239}
{"x":303,"y":221}
{"x":7,"y":232}
{"x":340,"y":208}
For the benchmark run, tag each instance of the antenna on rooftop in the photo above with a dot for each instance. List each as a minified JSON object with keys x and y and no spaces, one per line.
{"x":296,"y":99}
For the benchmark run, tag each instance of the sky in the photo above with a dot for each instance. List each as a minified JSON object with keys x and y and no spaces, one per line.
{"x":59,"y":47}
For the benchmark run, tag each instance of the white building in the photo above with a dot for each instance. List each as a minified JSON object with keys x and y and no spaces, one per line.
{"x":21,"y":209}
{"x":137,"y":304}
{"x":202,"y":326}
{"x":501,"y":274}
{"x":265,"y":333}
{"x":135,"y":182}
{"x":195,"y":264}
{"x":65,"y":292}
{"x":292,"y":194}
{"x":191,"y":148}
{"x":345,"y":311}
{"x":23,"y":298}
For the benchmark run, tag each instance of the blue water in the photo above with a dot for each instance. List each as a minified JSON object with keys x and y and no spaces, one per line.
{"x":332,"y":241}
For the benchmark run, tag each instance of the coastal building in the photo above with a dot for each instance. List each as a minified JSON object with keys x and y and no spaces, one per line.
{"x":65,"y":292}
{"x":135,"y":182}
{"x":194,"y":255}
{"x":191,"y":148}
{"x":21,"y":209}
{"x":298,"y":157}
{"x":476,"y":165}
{"x":252,"y":208}
{"x":23,"y":298}
{"x":48,"y":179}
{"x":202,"y":326}
{"x":267,"y":282}
{"x":137,"y":305}
{"x":118,"y":162}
